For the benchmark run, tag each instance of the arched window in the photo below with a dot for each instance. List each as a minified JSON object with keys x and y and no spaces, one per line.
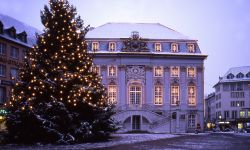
{"x":174,"y":47}
{"x":112,"y":46}
{"x":191,"y":48}
{"x":191,"y":95}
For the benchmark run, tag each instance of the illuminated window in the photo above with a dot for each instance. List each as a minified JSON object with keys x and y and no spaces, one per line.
{"x":242,"y":114}
{"x":112,"y":94}
{"x":175,"y":71}
{"x":248,"y":114}
{"x":112,"y":46}
{"x":95,"y":46}
{"x":111,"y":71}
{"x":96,"y":69}
{"x":158,"y":47}
{"x":174,"y":47}
{"x":191,"y":48}
{"x":158,"y":71}
{"x":158,"y":95}
{"x":191,"y":95}
{"x":175,"y":95}
{"x":191,"y":72}
{"x":191,"y":121}
{"x":135,"y":94}
{"x":2,"y":48}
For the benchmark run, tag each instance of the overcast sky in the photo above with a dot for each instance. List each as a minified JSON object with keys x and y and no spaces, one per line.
{"x":222,"y":27}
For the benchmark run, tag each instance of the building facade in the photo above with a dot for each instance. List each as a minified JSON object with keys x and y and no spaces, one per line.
{"x":153,"y":74}
{"x":232,"y":99}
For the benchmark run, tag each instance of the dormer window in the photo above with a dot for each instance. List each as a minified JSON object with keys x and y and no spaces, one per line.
{"x":174,"y":47}
{"x":230,"y":76}
{"x":191,"y":48}
{"x":240,"y":75}
{"x":112,"y":46}
{"x":158,"y":47}
{"x":12,"y":32}
{"x":248,"y":76}
{"x":22,"y":36}
{"x":95,"y":46}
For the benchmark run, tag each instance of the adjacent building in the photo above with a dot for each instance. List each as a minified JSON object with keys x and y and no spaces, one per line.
{"x":15,"y":39}
{"x":230,"y":105}
{"x":153,"y":74}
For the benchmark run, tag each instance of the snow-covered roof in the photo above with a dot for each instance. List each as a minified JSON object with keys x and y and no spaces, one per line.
{"x":9,"y":22}
{"x":233,"y":72}
{"x":124,"y":30}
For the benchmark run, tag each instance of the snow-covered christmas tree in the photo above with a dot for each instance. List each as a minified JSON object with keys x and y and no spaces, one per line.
{"x":58,"y":98}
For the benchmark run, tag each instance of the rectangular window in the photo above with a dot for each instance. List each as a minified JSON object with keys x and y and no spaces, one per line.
{"x":2,"y":70}
{"x":158,"y":71}
{"x":14,"y":52}
{"x":191,"y":48}
{"x":2,"y":95}
{"x":158,"y":47}
{"x":112,"y":46}
{"x":191,"y":95}
{"x":96,"y":69}
{"x":175,"y":95}
{"x":111,"y":71}
{"x":158,"y":95}
{"x":191,"y":72}
{"x":242,"y":114}
{"x":135,"y":95}
{"x":191,"y":121}
{"x":248,"y":114}
{"x":112,"y":94}
{"x":2,"y":48}
{"x":14,"y":73}
{"x":226,"y":114}
{"x":95,"y":46}
{"x":234,"y":114}
{"x":175,"y":71}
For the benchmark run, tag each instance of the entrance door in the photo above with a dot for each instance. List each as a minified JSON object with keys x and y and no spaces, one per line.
{"x":135,"y":94}
{"x":136,"y":122}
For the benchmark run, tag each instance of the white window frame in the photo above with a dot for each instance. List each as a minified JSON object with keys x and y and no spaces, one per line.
{"x":189,"y":74}
{"x":158,"y":95}
{"x":112,"y":48}
{"x":193,"y":48}
{"x":95,"y":46}
{"x":158,"y":73}
{"x":175,"y":94}
{"x":135,"y":95}
{"x":177,"y":48}
{"x":191,"y":120}
{"x":173,"y":72}
{"x":112,"y":73}
{"x":192,"y":96}
{"x":112,"y":94}
{"x":158,"y":47}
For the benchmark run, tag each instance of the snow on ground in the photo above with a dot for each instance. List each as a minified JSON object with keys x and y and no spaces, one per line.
{"x":117,"y":140}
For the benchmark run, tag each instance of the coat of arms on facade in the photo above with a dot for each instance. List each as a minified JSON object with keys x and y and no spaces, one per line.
{"x":135,"y":44}
{"x":135,"y":73}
